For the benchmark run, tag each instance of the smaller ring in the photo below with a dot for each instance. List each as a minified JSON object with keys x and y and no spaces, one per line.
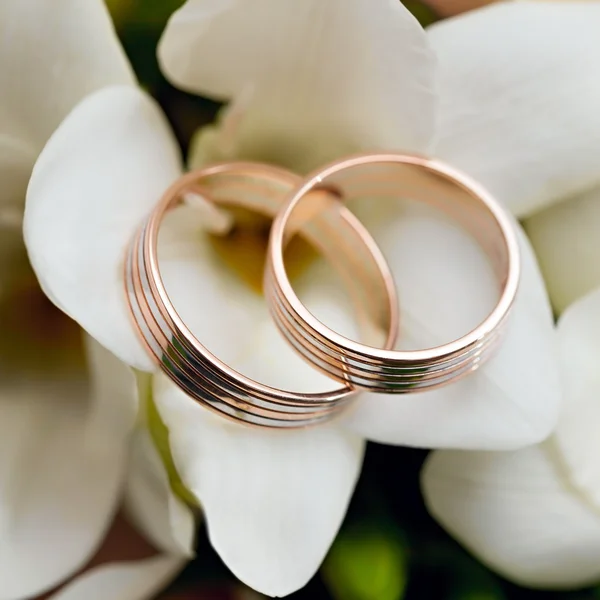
{"x":327,"y":225}
{"x":372,"y":368}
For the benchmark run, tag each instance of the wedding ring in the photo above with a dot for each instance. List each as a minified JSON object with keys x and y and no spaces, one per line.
{"x":390,"y":176}
{"x":327,"y":225}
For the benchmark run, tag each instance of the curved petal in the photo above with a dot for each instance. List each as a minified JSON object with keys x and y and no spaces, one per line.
{"x":231,"y":320}
{"x":276,"y":538}
{"x":64,"y":452}
{"x":521,"y":117}
{"x":99,"y":175}
{"x":513,"y":400}
{"x":137,"y":580}
{"x":59,"y":52}
{"x":53,"y":55}
{"x":151,"y":504}
{"x":273,"y":501}
{"x":577,"y":431}
{"x":565,"y":239}
{"x":516,"y":512}
{"x":312,"y":90}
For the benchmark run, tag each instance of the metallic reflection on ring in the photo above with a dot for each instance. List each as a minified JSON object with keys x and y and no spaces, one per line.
{"x":326,"y":224}
{"x":387,"y":177}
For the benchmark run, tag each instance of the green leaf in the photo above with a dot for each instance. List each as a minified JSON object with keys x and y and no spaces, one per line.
{"x":160,"y":436}
{"x":367,"y":562}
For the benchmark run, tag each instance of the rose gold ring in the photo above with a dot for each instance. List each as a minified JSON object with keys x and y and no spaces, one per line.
{"x":383,"y":370}
{"x":328,"y":226}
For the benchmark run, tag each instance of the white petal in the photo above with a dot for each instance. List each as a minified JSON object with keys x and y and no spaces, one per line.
{"x":273,"y":500}
{"x":578,"y":427}
{"x":51,"y":56}
{"x":139,"y":580}
{"x":516,"y":513}
{"x":276,"y":539}
{"x":151,"y":504}
{"x":446,"y":288}
{"x":232,"y":321}
{"x":321,"y":78}
{"x":213,"y":302}
{"x":521,"y":117}
{"x":99,"y":175}
{"x":565,"y":239}
{"x":62,"y":458}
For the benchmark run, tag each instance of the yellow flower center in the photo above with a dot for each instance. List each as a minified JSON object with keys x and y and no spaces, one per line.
{"x":243,"y":249}
{"x":160,"y":437}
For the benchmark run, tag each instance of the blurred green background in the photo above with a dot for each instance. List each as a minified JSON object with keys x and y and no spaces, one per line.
{"x":389,"y":548}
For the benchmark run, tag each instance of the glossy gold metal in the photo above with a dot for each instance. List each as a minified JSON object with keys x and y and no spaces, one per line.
{"x":384,"y":177}
{"x":326,"y":224}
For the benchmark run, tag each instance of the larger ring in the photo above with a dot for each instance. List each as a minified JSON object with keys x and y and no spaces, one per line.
{"x":326,"y":225}
{"x":383,"y":370}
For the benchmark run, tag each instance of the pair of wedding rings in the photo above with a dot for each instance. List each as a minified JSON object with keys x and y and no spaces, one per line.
{"x":314,"y":208}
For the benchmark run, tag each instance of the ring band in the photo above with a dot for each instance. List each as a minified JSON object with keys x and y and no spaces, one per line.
{"x":326,"y":224}
{"x":383,"y":370}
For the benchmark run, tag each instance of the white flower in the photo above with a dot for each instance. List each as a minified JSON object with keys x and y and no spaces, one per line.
{"x":533,"y":514}
{"x":67,"y":406}
{"x":309,"y":81}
